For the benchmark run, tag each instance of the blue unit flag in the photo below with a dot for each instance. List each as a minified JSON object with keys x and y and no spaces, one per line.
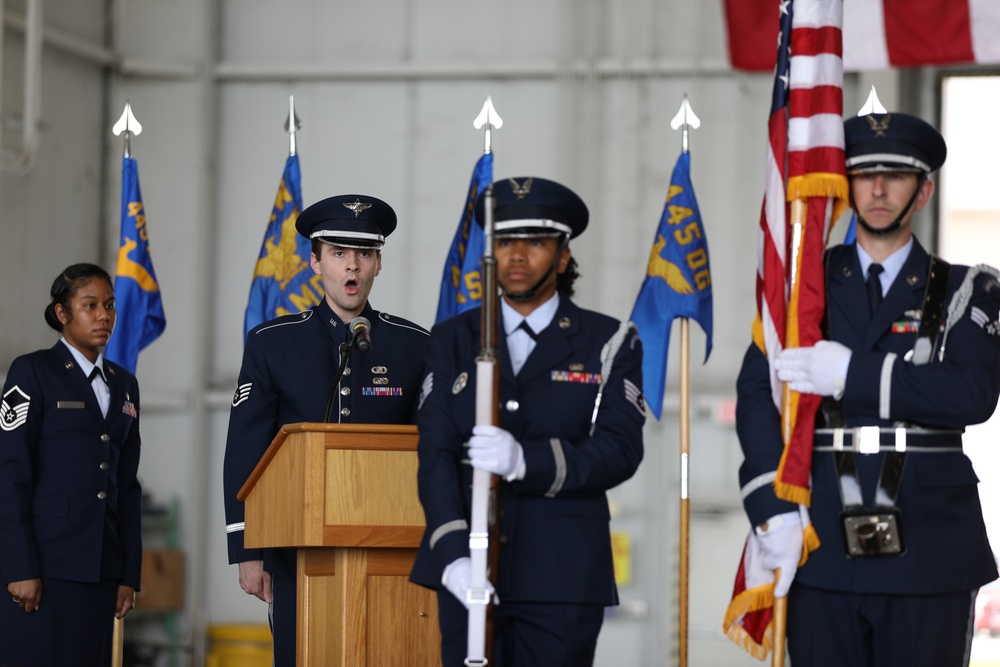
{"x":137,"y":292}
{"x":678,"y":282}
{"x":461,"y":284}
{"x":283,"y":281}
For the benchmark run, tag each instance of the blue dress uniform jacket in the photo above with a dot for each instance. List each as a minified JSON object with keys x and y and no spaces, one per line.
{"x":288,"y":365}
{"x":947,"y":546}
{"x":69,"y":493}
{"x":555,"y":544}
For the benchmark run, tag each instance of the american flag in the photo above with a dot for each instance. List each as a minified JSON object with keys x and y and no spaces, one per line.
{"x":805,"y":192}
{"x":879,"y":34}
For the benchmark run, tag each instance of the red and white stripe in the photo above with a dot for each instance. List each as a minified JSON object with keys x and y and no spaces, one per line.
{"x":910,"y":33}
{"x":879,"y":34}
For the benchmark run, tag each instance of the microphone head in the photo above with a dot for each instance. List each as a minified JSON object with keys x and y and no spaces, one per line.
{"x":360,"y":326}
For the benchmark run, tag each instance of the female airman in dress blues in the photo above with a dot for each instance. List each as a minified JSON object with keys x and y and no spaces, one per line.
{"x":570,"y":429}
{"x":70,"y":522}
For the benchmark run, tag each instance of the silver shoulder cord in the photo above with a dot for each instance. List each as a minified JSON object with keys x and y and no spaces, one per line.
{"x":608,"y":354}
{"x":960,"y":301}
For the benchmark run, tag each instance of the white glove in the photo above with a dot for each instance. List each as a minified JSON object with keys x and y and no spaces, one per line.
{"x":495,"y":450}
{"x":820,"y":369}
{"x":457,"y":577}
{"x":779,"y":547}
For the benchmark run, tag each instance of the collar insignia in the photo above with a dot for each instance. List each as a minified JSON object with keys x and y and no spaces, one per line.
{"x":521,"y":191}
{"x":879,"y":127}
{"x":357,"y":207}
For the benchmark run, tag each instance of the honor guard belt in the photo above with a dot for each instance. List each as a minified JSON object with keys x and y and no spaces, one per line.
{"x":874,"y":439}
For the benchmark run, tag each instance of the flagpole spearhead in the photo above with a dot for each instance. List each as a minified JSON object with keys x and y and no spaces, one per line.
{"x":872,"y":104}
{"x":685,"y":120}
{"x":292,"y":124}
{"x":130,"y":126}
{"x":488,"y":118}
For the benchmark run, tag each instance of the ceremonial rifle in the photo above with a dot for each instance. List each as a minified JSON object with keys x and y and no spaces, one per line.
{"x":484,"y":548}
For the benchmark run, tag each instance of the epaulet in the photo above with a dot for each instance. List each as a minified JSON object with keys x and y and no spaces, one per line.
{"x":402,"y":323}
{"x":295,"y":318}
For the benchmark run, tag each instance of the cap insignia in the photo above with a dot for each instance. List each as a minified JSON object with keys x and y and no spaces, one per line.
{"x":521,"y":191}
{"x":879,"y":127}
{"x":358,"y":207}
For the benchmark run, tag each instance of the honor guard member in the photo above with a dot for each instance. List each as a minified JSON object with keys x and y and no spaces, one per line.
{"x":290,"y":363}
{"x":70,"y":517}
{"x":571,"y":417}
{"x":912,"y":357}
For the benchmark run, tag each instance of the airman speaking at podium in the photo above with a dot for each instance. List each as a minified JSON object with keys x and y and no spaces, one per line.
{"x":290,"y":374}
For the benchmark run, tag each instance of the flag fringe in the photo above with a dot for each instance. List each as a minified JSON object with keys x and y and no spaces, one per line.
{"x":799,"y":495}
{"x":817,"y":184}
{"x":760,"y":599}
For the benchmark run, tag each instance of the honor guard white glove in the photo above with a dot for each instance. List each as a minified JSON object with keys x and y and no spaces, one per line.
{"x":775,"y":545}
{"x":820,"y":369}
{"x":495,"y":450}
{"x":457,"y":577}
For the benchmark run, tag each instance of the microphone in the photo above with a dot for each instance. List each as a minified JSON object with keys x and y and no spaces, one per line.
{"x":360,"y":329}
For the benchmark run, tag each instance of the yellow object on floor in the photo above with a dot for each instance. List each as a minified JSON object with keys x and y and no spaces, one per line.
{"x":239,"y":646}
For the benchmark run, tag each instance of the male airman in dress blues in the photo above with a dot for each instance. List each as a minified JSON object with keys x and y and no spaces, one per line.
{"x":912,"y":357}
{"x":289,"y":365}
{"x":571,"y":417}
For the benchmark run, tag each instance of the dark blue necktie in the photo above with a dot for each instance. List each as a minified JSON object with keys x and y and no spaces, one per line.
{"x":874,"y":287}
{"x":524,"y":326}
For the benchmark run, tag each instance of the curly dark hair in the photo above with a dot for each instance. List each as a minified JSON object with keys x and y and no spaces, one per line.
{"x":566,"y":279}
{"x":65,"y":286}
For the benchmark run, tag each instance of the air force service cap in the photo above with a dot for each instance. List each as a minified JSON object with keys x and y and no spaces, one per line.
{"x":532,"y":207}
{"x":892,"y":142}
{"x":351,"y":221}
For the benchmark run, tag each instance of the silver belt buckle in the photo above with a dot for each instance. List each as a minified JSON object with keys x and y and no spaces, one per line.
{"x":866,"y":439}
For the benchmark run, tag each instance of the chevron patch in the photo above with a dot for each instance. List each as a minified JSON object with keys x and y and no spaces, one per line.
{"x":242,"y":393}
{"x":14,"y":409}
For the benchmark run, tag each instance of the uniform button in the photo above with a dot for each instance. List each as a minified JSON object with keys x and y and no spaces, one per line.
{"x":346,"y":412}
{"x":101,"y":495}
{"x":347,"y":371}
{"x":346,"y":391}
{"x":503,"y":539}
{"x":104,"y":465}
{"x":512,"y":405}
{"x":105,"y":437}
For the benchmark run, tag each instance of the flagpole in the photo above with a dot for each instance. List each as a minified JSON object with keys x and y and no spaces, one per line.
{"x":685,"y":120}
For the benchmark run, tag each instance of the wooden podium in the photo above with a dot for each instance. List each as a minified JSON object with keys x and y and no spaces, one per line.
{"x":346,"y":496}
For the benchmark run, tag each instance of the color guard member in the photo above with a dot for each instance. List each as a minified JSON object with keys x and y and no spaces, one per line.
{"x":570,"y":429}
{"x":912,"y":357}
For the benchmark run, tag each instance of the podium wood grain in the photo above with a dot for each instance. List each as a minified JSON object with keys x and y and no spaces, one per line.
{"x":346,"y":496}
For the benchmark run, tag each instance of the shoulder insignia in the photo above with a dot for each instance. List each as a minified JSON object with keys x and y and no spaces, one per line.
{"x":633,"y":395}
{"x":14,"y":409}
{"x":242,"y":393}
{"x":979,"y":317}
{"x":425,"y":389}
